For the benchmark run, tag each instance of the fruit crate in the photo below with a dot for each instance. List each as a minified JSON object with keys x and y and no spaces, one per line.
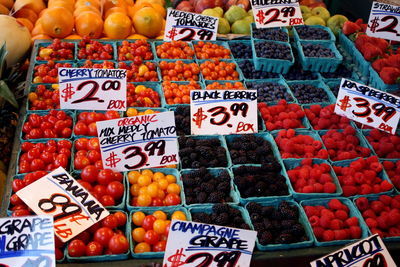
{"x":113,"y":43}
{"x":267,"y":75}
{"x":366,"y":132}
{"x":220,"y":43}
{"x":44,"y":43}
{"x":45,"y":112}
{"x":297,"y":38}
{"x":128,"y":63}
{"x":302,"y":220}
{"x":32,"y":88}
{"x":372,"y":198}
{"x":164,"y":100}
{"x":102,"y":258}
{"x":290,"y":164}
{"x":362,"y":65}
{"x":326,"y":64}
{"x":353,"y":213}
{"x":119,"y":206}
{"x":215,"y":172}
{"x":156,"y":86}
{"x":208,"y":82}
{"x":382,"y":175}
{"x":244,"y":201}
{"x":158,"y":43}
{"x":253,"y":28}
{"x":151,"y":43}
{"x":272,"y":64}
{"x":31,"y":71}
{"x":240,"y":78}
{"x":315,"y":83}
{"x":277,"y":81}
{"x":166,"y":171}
{"x":148,"y":211}
{"x":244,"y":42}
{"x":397,"y":189}
{"x":376,"y":81}
{"x":361,"y":138}
{"x":185,"y":61}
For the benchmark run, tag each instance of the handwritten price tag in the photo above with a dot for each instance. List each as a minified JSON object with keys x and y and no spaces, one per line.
{"x":92,"y":89}
{"x":198,"y":244}
{"x":138,"y":142}
{"x":368,"y":252}
{"x":59,"y":195}
{"x":368,"y":106}
{"x":268,"y":13}
{"x":186,"y":26}
{"x":384,"y":21}
{"x":223,"y":111}
{"x":27,"y":241}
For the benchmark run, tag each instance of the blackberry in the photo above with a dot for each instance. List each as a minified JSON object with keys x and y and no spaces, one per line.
{"x":306,"y":32}
{"x":255,"y":217}
{"x":296,"y":72}
{"x":182,"y":115}
{"x":265,"y":238}
{"x":216,"y":197}
{"x":206,"y":187}
{"x":250,"y":72}
{"x":222,"y":219}
{"x":307,"y":93}
{"x":201,"y":198}
{"x":270,"y":91}
{"x":266,"y":49}
{"x":241,"y":50}
{"x":297,"y":230}
{"x":287,"y":224}
{"x":334,"y":89}
{"x":220,"y":208}
{"x":274,"y":34}
{"x":258,"y":226}
{"x":317,"y":50}
{"x":267,"y":211}
{"x":268,"y":225}
{"x":244,"y":226}
{"x":284,"y":239}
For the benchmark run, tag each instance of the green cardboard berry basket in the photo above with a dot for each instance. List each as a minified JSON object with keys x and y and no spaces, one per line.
{"x":220,"y":43}
{"x":31,"y":72}
{"x":185,"y":61}
{"x":158,"y":43}
{"x":358,"y":59}
{"x":250,"y":83}
{"x":113,"y":43}
{"x":302,"y":220}
{"x":240,"y":78}
{"x":315,"y":83}
{"x":32,"y":88}
{"x":45,"y":44}
{"x":156,"y":86}
{"x":270,"y":75}
{"x":283,"y":29}
{"x":151,"y":45}
{"x":296,"y":36}
{"x":272,"y":64}
{"x":164,"y":100}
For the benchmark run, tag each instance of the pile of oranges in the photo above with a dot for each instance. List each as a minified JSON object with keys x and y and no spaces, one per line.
{"x":110,"y":19}
{"x":210,"y":50}
{"x":219,"y":70}
{"x":175,"y":50}
{"x":225,"y":86}
{"x":150,"y":188}
{"x":178,"y":93}
{"x":179,"y":71}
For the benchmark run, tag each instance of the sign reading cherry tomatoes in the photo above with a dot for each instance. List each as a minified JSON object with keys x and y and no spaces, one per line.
{"x":138,"y":142}
{"x":368,"y":106}
{"x":88,"y":89}
{"x":187,"y":26}
{"x":223,"y":112}
{"x":280,"y":13}
{"x":384,"y":21}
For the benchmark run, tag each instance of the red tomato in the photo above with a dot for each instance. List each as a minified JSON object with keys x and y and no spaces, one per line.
{"x":151,"y":237}
{"x":81,"y":143}
{"x":160,"y":246}
{"x":81,"y":162}
{"x":80,"y":128}
{"x":93,"y":156}
{"x":76,"y":248}
{"x":110,"y":221}
{"x":167,"y":228}
{"x":61,"y":160}
{"x":35,"y":133}
{"x":148,"y":222}
{"x":121,"y":218}
{"x":99,"y":164}
{"x":59,"y":254}
{"x":47,"y":157}
{"x":34,"y":153}
{"x":115,"y":189}
{"x":37,"y":164}
{"x":172,"y":199}
{"x":93,"y":144}
{"x":86,"y":185}
{"x":21,"y":212}
{"x":118,"y":176}
{"x":156,"y":202}
{"x":107,"y":200}
{"x":84,"y":236}
{"x":105,"y":176}
{"x":118,"y":244}
{"x":65,"y":151}
{"x":82,"y":116}
{"x":92,"y":229}
{"x":15,"y":200}
{"x":94,"y":249}
{"x":92,"y":129}
{"x":17,"y":184}
{"x":82,"y":153}
{"x":91,"y":117}
{"x":57,"y":242}
{"x":101,"y":190}
{"x":25,"y":147}
{"x":64,"y":144}
{"x":59,"y":126}
{"x":103,"y":235}
{"x":89,"y":174}
{"x":111,"y":114}
{"x":24,"y":166}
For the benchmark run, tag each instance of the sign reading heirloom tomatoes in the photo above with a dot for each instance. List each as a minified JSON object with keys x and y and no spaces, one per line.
{"x":276,"y":13}
{"x":384,"y":21}
{"x":187,"y":26}
{"x":92,"y":89}
{"x":199,"y":244}
{"x":27,"y":241}
{"x":59,"y":195}
{"x":223,"y":111}
{"x":369,"y":252}
{"x":368,"y":106}
{"x":138,"y":142}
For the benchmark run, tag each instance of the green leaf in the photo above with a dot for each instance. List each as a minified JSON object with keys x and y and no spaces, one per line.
{"x":6,"y":93}
{"x":3,"y":54}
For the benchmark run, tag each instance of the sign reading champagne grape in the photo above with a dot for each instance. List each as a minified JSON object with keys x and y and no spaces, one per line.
{"x":368,"y":106}
{"x":187,"y":26}
{"x":92,"y":89}
{"x":269,"y":14}
{"x":138,"y":142}
{"x":384,"y":21}
{"x":223,"y":111}
{"x":59,"y":195}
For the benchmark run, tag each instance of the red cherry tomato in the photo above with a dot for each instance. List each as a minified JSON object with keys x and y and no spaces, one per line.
{"x":151,"y":237}
{"x":81,"y":162}
{"x":115,"y":189}
{"x":81,"y":143}
{"x":81,"y":128}
{"x":64,"y":144}
{"x":17,"y":184}
{"x":160,"y":246}
{"x":121,"y":218}
{"x":118,"y":244}
{"x":89,"y":174}
{"x":105,"y":176}
{"x":84,"y":236}
{"x":86,"y":185}
{"x":101,"y":190}
{"x":37,"y":164}
{"x":94,"y":249}
{"x":76,"y":248}
{"x":59,"y":254}
{"x":15,"y":200}
{"x":24,"y":166}
{"x":118,"y":176}
{"x":61,"y":160}
{"x":103,"y":235}
{"x":110,"y":221}
{"x":148,"y":222}
{"x":172,"y":200}
{"x":92,"y":129}
{"x":93,"y":156}
{"x":93,"y":144}
{"x":107,"y":200}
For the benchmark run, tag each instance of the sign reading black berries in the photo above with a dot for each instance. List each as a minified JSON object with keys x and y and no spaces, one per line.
{"x":276,"y":13}
{"x":223,"y":112}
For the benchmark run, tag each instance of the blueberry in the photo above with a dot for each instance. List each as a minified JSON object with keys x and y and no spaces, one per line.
{"x":266,"y":49}
{"x":270,"y":91}
{"x":335,"y":89}
{"x":312,"y":33}
{"x":317,"y":50}
{"x":341,"y":72}
{"x":250,"y":72}
{"x":296,"y":72}
{"x":273,"y":34}
{"x":306,"y":93}
{"x":241,"y":50}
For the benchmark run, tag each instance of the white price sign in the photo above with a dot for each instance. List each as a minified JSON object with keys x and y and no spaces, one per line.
{"x":223,"y":112}
{"x":384,"y":21}
{"x":92,"y":89}
{"x":138,"y":142}
{"x":368,"y":106}
{"x":27,"y":241}
{"x":193,"y":244}
{"x":368,"y":252}
{"x":187,"y":26}
{"x":59,"y":195}
{"x":270,"y":13}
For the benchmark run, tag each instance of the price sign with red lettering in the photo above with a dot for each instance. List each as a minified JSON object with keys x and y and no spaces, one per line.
{"x":384,"y":21}
{"x":27,"y":241}
{"x":223,"y":112}
{"x":138,"y":142}
{"x":368,"y":106}
{"x":59,"y":195}
{"x":193,"y":244}
{"x":187,"y":26}
{"x":92,"y":89}
{"x":269,"y":13}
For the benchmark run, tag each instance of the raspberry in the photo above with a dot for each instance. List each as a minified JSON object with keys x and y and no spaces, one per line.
{"x":369,"y":213}
{"x":393,"y":231}
{"x":290,"y":133}
{"x":352,"y":221}
{"x":311,"y":211}
{"x":329,"y":188}
{"x":388,"y":165}
{"x":355,"y":232}
{"x":341,"y":215}
{"x":371,"y":223}
{"x":314,"y":221}
{"x":325,"y":221}
{"x":394,"y":217}
{"x":356,"y":165}
{"x":328,"y":235}
{"x":377,"y":231}
{"x":376,"y":166}
{"x":366,"y":189}
{"x":308,"y":189}
{"x":362,"y":203}
{"x":383,"y":222}
{"x":318,"y":188}
{"x":385,"y":199}
{"x":336,"y":224}
{"x":341,"y":234}
{"x":395,"y":204}
{"x":386,"y":186}
{"x":318,"y":232}
{"x":335,"y":204}
{"x":349,"y":130}
{"x":377,"y":206}
{"x":328,"y":213}
{"x":349,"y":190}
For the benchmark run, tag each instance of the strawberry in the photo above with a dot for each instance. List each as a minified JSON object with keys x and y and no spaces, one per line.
{"x":371,"y":51}
{"x":390,"y":75}
{"x":381,"y":43}
{"x":359,"y":21}
{"x":379,"y":64}
{"x":350,"y":27}
{"x":393,"y":61}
